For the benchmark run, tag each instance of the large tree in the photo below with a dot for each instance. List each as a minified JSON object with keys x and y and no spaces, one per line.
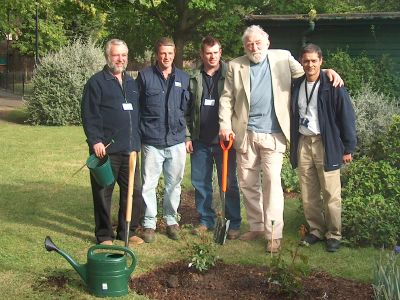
{"x":141,"y":22}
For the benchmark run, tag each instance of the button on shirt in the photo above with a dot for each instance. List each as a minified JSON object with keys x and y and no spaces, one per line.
{"x":309,"y":113}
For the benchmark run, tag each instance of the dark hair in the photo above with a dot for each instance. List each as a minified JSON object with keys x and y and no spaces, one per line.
{"x":164,"y":41}
{"x":209,"y":41}
{"x":310,"y":48}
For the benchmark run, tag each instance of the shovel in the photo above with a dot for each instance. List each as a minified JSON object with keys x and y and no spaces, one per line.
{"x":128,"y":217}
{"x":222,"y":226}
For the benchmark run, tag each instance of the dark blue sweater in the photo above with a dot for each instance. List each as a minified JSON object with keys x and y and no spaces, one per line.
{"x":162,"y":106}
{"x":103,"y":115}
{"x":336,"y":121}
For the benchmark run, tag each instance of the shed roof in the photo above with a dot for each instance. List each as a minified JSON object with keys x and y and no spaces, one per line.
{"x":360,"y":18}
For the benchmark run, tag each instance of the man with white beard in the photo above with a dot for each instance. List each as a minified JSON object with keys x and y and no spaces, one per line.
{"x":254,"y":108}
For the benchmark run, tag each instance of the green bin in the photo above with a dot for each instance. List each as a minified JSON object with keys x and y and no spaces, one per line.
{"x":101,"y":169}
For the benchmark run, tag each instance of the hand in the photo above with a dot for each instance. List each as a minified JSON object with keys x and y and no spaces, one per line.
{"x":189,"y":147}
{"x":225,"y":133}
{"x":334,"y":78}
{"x":347,"y":158}
{"x":99,"y":149}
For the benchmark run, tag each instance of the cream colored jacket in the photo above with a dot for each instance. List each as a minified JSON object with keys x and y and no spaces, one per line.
{"x":235,"y":99}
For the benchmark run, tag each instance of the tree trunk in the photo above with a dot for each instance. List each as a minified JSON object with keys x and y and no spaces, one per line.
{"x":179,"y":45}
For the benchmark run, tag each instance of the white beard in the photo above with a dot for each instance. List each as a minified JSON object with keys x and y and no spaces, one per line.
{"x":256,"y":57}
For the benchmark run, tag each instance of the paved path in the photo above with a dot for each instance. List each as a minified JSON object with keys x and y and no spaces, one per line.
{"x":10,"y":101}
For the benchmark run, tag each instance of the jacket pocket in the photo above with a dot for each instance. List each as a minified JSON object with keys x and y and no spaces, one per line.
{"x":153,"y":97}
{"x":184,"y":100}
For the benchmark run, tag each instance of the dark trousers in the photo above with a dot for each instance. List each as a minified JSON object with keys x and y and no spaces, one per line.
{"x":102,"y":197}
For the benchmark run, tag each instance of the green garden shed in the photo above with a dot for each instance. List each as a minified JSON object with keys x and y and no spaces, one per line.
{"x":372,"y":33}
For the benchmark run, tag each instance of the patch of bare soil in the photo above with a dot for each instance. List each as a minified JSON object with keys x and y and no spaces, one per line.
{"x":177,"y":281}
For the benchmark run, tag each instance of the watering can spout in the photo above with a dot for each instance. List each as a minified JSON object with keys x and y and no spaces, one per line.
{"x":81,"y":269}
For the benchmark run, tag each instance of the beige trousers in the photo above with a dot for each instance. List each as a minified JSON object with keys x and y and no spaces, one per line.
{"x":259,"y":174}
{"x":322,"y":215}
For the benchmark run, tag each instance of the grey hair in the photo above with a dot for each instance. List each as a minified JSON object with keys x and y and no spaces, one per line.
{"x":113,"y":42}
{"x":253,"y":29}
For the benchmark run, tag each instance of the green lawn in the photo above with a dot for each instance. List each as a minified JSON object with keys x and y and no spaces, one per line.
{"x":39,"y":197}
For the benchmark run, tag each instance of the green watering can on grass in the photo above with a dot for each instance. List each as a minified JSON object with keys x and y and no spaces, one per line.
{"x":106,"y":273}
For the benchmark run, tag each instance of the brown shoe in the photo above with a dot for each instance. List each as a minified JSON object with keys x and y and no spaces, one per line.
{"x":173,"y":232}
{"x":135,"y":240}
{"x":274,"y":246}
{"x":107,"y":243}
{"x":149,"y":235}
{"x":251,"y":235}
{"x":200,"y":229}
{"x":233,"y":234}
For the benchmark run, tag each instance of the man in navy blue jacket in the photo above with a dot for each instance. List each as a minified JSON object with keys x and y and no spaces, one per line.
{"x":163,"y":103}
{"x":323,"y":136}
{"x":110,"y":111}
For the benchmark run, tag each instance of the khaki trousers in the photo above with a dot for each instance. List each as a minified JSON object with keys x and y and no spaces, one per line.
{"x":262,"y":191}
{"x":322,"y":215}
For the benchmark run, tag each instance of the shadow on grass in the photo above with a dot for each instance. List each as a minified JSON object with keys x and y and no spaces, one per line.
{"x":67,"y":209}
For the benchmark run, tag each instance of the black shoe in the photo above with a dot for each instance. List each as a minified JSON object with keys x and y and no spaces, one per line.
{"x":332,"y":245}
{"x":309,"y":239}
{"x":173,"y":232}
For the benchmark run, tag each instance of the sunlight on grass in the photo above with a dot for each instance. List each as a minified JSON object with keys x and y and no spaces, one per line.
{"x":39,"y":197}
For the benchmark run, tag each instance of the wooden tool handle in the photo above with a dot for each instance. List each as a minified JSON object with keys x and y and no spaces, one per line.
{"x":132,"y":166}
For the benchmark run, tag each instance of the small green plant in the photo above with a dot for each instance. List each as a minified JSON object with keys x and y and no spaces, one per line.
{"x":290,"y":180}
{"x":287,"y":277}
{"x":386,"y":277}
{"x":201,"y":255}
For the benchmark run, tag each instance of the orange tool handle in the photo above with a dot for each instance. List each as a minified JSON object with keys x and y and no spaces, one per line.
{"x":225,"y":150}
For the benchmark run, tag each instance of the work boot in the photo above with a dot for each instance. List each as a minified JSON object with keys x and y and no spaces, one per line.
{"x":251,"y":235}
{"x":200,"y":229}
{"x":173,"y":232}
{"x":149,"y":235}
{"x":309,"y":239}
{"x":332,"y":245}
{"x":135,"y":240}
{"x":233,"y":234}
{"x":107,"y":243}
{"x":274,"y":246}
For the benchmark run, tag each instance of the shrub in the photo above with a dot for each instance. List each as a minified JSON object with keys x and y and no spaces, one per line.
{"x":361,"y":69}
{"x":371,"y":220}
{"x":390,"y":144}
{"x":386,"y":281}
{"x":58,"y":84}
{"x":290,"y":180}
{"x":374,"y":113}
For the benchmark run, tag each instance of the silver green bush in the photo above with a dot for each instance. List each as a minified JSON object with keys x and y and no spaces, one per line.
{"x":58,"y":83}
{"x":374,"y":112}
{"x":386,"y":281}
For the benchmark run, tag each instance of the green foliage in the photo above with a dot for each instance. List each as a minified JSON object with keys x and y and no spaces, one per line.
{"x":359,"y":70}
{"x":287,"y":276}
{"x":371,"y":220}
{"x":390,"y":144}
{"x":386,"y":280}
{"x":374,"y":113}
{"x":290,"y":180}
{"x":201,"y":255}
{"x":58,"y":84}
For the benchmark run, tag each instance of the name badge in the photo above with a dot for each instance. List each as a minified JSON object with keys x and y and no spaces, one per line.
{"x":127,"y":106}
{"x":178,"y":84}
{"x":209,"y":102}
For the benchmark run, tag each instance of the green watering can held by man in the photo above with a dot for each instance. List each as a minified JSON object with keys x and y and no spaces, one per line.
{"x":106,"y":273}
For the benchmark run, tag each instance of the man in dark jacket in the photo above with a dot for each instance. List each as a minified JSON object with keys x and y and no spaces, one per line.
{"x":110,"y":111}
{"x":323,"y":136}
{"x":163,"y":101}
{"x":202,"y":141}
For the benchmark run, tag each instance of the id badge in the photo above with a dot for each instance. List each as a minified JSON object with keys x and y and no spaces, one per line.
{"x":127,"y":106}
{"x":178,"y":84}
{"x":209,"y":102}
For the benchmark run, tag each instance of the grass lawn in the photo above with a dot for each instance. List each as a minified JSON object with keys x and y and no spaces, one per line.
{"x":39,"y":197}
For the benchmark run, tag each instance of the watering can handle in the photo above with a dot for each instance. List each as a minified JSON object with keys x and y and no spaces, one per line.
{"x":225,"y":150}
{"x":115,"y":247}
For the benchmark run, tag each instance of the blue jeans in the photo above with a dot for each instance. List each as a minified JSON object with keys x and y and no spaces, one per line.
{"x":202,"y":161}
{"x":171,"y":161}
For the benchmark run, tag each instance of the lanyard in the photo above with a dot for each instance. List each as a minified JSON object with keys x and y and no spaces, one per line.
{"x":210,"y":87}
{"x":308,"y":99}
